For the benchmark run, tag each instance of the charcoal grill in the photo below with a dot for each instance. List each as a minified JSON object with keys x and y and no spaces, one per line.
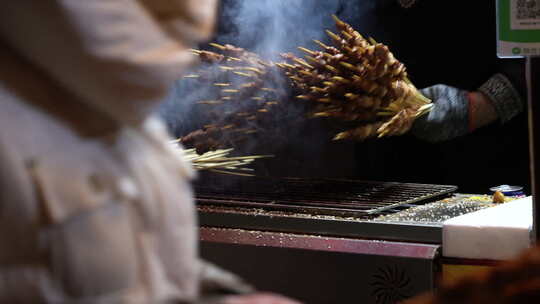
{"x":350,"y":198}
{"x":321,"y":232}
{"x":330,"y":207}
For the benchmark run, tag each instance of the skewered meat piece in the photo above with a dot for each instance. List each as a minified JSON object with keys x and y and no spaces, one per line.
{"x":211,"y":57}
{"x":203,"y":140}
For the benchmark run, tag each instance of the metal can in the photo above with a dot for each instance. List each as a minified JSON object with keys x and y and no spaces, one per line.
{"x":508,"y":190}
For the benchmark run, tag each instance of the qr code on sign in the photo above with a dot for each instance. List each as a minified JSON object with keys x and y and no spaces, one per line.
{"x":525,"y":15}
{"x":527,"y":9}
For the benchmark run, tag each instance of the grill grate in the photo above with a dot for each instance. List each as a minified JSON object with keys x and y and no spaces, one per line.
{"x":320,"y":196}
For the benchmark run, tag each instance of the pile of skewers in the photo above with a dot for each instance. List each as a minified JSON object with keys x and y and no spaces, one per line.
{"x":242,"y":95}
{"x":357,"y":80}
{"x":220,"y":161}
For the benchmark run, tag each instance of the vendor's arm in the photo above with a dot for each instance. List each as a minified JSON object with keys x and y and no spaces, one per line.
{"x":457,"y":112}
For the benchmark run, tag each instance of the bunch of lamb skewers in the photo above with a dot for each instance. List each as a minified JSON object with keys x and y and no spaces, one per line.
{"x":358,"y":80}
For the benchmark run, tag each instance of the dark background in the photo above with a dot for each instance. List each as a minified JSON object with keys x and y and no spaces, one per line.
{"x":444,"y":42}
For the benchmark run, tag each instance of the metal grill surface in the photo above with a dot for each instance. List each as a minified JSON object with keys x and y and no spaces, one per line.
{"x":320,"y":196}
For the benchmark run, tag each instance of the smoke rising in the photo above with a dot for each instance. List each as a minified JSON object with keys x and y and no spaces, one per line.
{"x":268,"y":28}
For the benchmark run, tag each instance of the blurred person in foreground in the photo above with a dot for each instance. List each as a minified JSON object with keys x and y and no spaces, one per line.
{"x":95,"y":207}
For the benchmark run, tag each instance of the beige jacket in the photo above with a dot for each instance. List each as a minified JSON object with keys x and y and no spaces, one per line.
{"x":95,"y":207}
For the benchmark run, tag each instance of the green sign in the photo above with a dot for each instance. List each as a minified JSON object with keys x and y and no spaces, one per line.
{"x":518,"y":28}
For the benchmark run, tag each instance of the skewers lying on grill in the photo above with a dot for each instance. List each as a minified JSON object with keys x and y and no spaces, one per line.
{"x":220,"y":161}
{"x":357,"y":80}
{"x":242,"y":96}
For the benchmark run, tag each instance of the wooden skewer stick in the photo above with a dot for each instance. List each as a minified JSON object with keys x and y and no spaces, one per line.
{"x":218,"y":46}
{"x":341,"y":136}
{"x":332,"y":35}
{"x":312,"y":59}
{"x":253,"y":70}
{"x":349,"y":66}
{"x":322,"y":45}
{"x":340,"y":79}
{"x":290,"y":66}
{"x":322,"y":114}
{"x":358,"y":35}
{"x":210,"y":102}
{"x":331,"y":68}
{"x":248,"y":85}
{"x":327,"y":55}
{"x":244,"y":74}
{"x":347,"y":35}
{"x":303,"y":49}
{"x":338,"y":21}
{"x":302,"y":62}
{"x":318,"y":90}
